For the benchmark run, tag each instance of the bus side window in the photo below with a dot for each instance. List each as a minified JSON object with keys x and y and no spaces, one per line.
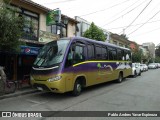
{"x":98,"y":52}
{"x":112,"y":53}
{"x":79,"y":54}
{"x":127,"y":55}
{"x":104,"y":53}
{"x":69,"y":58}
{"x":119,"y":54}
{"x":90,"y":52}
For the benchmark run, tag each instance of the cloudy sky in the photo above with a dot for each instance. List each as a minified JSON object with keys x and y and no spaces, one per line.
{"x":138,"y":19}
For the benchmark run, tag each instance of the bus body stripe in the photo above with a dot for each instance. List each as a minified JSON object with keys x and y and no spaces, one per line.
{"x":96,"y":61}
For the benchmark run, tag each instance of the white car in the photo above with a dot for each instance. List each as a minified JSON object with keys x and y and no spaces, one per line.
{"x":157,"y":65}
{"x":136,"y":70}
{"x":141,"y":67}
{"x":152,"y":66}
{"x":145,"y":67}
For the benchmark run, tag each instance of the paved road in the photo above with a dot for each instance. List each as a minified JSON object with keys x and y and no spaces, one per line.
{"x":133,"y":94}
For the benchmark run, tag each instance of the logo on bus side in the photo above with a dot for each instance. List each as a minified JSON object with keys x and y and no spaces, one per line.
{"x":104,"y":69}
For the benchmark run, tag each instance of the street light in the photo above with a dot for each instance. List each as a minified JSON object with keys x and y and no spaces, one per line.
{"x":64,"y":24}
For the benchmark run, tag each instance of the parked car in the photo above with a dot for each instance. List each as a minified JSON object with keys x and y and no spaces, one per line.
{"x":136,"y":70}
{"x":152,"y":66}
{"x":145,"y":67}
{"x":141,"y":67}
{"x":157,"y":65}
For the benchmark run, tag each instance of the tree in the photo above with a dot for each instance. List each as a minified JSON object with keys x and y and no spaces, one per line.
{"x":157,"y":59}
{"x":94,"y":33}
{"x":124,"y":36}
{"x":10,"y":30}
{"x":158,"y":51}
{"x":136,"y":57}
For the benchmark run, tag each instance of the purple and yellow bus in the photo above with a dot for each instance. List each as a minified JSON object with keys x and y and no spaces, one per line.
{"x":70,"y":64}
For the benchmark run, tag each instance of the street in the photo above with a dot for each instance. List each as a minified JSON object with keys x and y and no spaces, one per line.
{"x":133,"y":94}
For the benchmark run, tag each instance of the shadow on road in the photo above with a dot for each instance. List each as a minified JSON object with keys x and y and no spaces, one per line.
{"x":87,"y":90}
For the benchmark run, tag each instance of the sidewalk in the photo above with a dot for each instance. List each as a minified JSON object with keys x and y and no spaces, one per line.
{"x":23,"y":91}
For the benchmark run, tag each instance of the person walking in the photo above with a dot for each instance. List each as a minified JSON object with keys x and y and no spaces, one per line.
{"x":2,"y":79}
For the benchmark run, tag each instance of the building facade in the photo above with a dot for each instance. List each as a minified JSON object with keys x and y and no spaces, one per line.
{"x":151,"y":48}
{"x":119,"y":40}
{"x":35,"y":34}
{"x":84,"y":25}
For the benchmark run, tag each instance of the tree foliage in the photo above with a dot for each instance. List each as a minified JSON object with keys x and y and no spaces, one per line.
{"x":94,"y":33}
{"x":137,"y":56}
{"x":158,"y":51}
{"x":10,"y":30}
{"x":157,"y":59}
{"x":124,"y":36}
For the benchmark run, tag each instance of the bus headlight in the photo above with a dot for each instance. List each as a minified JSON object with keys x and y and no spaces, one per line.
{"x":54,"y":78}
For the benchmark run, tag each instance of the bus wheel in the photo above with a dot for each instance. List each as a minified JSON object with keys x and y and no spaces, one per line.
{"x":120,"y":78}
{"x":77,"y":88}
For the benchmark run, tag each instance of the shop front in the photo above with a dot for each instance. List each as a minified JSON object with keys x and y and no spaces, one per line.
{"x":25,"y":60}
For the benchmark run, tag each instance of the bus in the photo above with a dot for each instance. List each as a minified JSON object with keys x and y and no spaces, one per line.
{"x":70,"y":64}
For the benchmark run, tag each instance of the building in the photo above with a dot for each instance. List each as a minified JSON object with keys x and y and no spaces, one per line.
{"x":35,"y":34}
{"x":119,"y":40}
{"x":151,"y":48}
{"x":134,"y":46}
{"x":145,"y":54}
{"x":84,"y":25}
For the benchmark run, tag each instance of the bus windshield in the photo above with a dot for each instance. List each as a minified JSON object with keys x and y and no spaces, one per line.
{"x":52,"y":53}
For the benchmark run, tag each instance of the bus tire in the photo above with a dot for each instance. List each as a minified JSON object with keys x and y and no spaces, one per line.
{"x":77,"y":88}
{"x":120,"y":77}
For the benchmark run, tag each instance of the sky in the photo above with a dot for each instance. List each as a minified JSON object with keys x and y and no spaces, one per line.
{"x":138,"y":19}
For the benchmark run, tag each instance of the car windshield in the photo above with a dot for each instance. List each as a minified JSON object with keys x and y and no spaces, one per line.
{"x":52,"y":53}
{"x":133,"y":64}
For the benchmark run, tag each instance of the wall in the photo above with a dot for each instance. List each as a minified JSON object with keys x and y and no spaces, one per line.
{"x":42,"y":22}
{"x":71,"y":29}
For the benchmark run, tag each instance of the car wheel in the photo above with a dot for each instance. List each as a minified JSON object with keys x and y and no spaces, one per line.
{"x":140,"y":73}
{"x":135,"y":74}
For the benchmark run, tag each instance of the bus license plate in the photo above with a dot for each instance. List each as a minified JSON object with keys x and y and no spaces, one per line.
{"x":39,"y":88}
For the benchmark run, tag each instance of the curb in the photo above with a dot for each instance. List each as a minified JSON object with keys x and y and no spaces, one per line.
{"x":18,"y":93}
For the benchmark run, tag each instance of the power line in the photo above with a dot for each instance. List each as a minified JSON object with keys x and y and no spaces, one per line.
{"x":124,"y":14}
{"x":55,"y":2}
{"x":133,"y":25}
{"x":138,"y":15}
{"x":105,"y":9}
{"x":144,"y":23}
{"x":147,"y":32}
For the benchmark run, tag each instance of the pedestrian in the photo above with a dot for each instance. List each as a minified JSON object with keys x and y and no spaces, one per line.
{"x":2,"y":80}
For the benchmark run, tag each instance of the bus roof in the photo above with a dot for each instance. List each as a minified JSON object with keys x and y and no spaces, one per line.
{"x":95,"y":41}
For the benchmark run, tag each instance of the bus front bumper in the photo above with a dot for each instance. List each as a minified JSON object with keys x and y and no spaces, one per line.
{"x":55,"y":86}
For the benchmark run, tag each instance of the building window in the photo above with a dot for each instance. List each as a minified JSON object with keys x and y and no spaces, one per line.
{"x":60,"y":29}
{"x":115,"y":42}
{"x":30,"y":29}
{"x":120,"y":44}
{"x":31,"y":22}
{"x":85,"y":27}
